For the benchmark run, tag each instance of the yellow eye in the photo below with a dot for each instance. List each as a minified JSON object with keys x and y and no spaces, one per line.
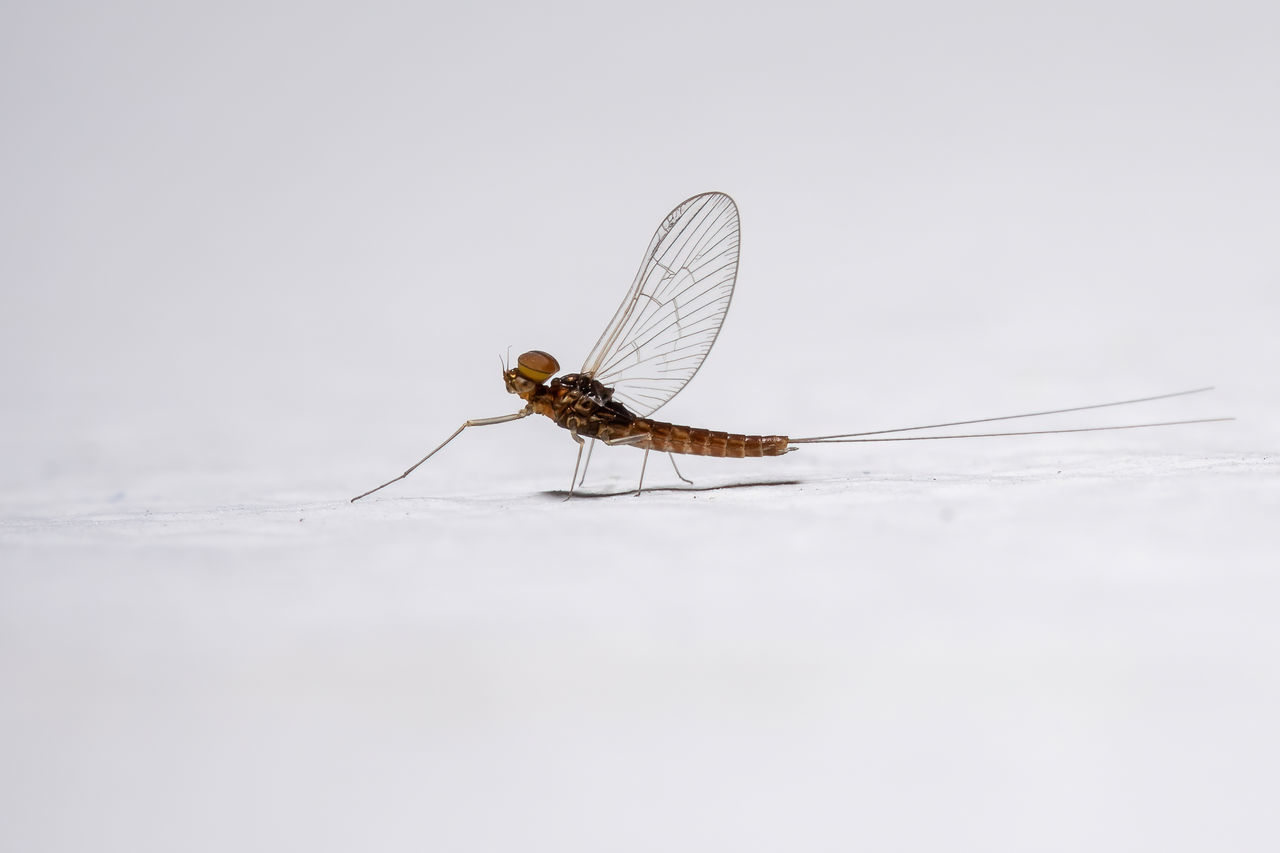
{"x":537,"y":365}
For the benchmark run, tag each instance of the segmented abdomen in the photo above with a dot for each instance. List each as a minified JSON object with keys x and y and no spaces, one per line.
{"x":695,"y":441}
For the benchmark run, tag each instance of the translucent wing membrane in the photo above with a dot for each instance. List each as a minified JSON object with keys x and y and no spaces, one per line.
{"x":672,"y":314}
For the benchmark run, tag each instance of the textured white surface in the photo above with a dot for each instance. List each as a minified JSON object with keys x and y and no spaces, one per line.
{"x":256,"y":264}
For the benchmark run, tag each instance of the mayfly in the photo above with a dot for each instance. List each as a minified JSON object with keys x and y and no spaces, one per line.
{"x":657,"y":340}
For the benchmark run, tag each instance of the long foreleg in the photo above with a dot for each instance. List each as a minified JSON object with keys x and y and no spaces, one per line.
{"x":502,"y":419}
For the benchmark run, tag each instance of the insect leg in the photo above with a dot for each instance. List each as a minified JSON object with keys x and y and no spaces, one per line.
{"x":640,"y":487}
{"x":587,"y":464}
{"x":637,"y":438}
{"x":573,"y":479}
{"x":672,"y":457}
{"x":501,"y":419}
{"x":626,"y":439}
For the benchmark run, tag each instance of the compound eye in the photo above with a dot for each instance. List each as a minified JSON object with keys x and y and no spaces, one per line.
{"x":537,"y":365}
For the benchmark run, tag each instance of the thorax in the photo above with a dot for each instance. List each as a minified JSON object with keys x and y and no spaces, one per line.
{"x":576,"y":401}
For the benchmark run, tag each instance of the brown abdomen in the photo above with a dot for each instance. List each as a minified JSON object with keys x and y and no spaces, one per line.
{"x":673,"y":438}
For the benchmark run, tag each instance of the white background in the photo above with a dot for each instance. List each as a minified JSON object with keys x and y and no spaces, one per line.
{"x":256,"y":260}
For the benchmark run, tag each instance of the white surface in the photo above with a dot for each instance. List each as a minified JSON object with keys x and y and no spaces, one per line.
{"x":257,"y":263}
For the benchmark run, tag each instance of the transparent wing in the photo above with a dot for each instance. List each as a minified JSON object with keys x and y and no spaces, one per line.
{"x":672,"y":314}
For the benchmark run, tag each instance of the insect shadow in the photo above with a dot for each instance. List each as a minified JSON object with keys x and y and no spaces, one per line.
{"x":564,"y":493}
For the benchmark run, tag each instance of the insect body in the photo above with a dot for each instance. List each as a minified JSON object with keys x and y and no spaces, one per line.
{"x":656,"y":342}
{"x":587,"y":409}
